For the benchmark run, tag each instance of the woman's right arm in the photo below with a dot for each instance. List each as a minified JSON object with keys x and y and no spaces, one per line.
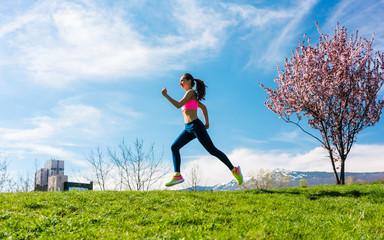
{"x":177,"y":104}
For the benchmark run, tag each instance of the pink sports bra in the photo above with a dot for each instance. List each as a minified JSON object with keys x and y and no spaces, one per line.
{"x":191,"y":104}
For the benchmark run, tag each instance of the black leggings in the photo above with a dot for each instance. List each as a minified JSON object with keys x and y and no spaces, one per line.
{"x":196,"y":129}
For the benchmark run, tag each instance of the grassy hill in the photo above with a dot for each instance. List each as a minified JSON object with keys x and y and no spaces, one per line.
{"x":320,"y":212}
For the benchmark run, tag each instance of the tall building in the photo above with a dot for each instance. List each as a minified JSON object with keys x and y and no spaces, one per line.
{"x":51,"y":168}
{"x":41,"y":179}
{"x":55,"y":167}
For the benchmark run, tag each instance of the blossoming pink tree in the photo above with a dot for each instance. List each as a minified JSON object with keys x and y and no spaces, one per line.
{"x":336,"y":86}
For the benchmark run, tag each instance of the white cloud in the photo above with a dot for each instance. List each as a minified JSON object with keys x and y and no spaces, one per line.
{"x":70,"y":125}
{"x":85,"y":119}
{"x":58,"y":42}
{"x":286,"y":136}
{"x":366,"y":158}
{"x":363,"y":158}
{"x":251,"y":16}
{"x":70,"y":128}
{"x":201,"y":27}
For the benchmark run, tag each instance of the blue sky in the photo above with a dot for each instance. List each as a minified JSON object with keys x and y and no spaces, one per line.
{"x":80,"y":74}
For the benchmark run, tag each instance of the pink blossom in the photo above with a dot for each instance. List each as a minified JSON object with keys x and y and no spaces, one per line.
{"x":335,"y":85}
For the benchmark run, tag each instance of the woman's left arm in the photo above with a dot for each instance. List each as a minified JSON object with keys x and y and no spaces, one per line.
{"x":205,"y":114}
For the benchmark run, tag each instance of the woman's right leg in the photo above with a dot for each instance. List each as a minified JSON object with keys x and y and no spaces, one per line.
{"x":184,"y":138}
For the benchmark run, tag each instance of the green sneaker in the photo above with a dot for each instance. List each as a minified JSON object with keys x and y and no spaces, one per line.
{"x":237,"y":174}
{"x":175,"y":180}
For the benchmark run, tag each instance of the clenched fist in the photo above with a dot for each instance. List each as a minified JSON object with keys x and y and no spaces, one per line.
{"x":164,"y":91}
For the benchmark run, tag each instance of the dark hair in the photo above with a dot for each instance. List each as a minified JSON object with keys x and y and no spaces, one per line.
{"x":200,"y":86}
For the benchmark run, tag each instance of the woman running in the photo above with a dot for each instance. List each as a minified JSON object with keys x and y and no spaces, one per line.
{"x":194,"y":128}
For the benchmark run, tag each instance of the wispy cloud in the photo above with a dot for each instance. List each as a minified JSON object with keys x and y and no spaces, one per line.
{"x":69,"y":126}
{"x":271,"y":31}
{"x":365,"y":16}
{"x":251,"y":16}
{"x":58,"y":42}
{"x":201,"y":26}
{"x":289,"y":31}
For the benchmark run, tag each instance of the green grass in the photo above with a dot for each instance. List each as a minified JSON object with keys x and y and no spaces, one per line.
{"x":321,"y":212}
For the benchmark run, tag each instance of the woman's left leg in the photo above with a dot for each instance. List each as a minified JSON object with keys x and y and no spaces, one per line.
{"x":203,"y":137}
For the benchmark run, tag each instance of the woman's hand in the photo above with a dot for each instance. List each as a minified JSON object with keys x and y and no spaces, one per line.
{"x":206,"y":125}
{"x":164,"y":91}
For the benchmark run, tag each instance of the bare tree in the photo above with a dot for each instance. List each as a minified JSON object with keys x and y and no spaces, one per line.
{"x":194,"y":177}
{"x":4,"y":176}
{"x":101,"y":167}
{"x":139,"y":169}
{"x":23,"y":183}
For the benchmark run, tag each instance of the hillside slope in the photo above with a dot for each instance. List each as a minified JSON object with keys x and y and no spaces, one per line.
{"x":321,"y":212}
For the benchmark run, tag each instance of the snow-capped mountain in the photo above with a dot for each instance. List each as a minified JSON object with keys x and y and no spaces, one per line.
{"x":313,"y":178}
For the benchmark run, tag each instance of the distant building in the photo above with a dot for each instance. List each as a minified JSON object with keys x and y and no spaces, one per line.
{"x":41,"y":179}
{"x":68,"y":186}
{"x":56,"y":182}
{"x":52,"y":178}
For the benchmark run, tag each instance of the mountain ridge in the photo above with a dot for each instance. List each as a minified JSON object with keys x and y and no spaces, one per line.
{"x":313,"y":178}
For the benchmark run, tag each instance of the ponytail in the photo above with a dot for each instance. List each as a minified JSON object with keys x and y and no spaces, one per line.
{"x":200,"y":86}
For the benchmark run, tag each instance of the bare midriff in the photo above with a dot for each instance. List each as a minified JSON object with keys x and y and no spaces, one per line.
{"x":189,"y":115}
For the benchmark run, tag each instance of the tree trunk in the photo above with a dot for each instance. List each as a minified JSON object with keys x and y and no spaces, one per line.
{"x":342,"y":169}
{"x":334,"y":167}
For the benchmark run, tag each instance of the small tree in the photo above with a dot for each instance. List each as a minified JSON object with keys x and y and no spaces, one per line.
{"x":194,"y":177}
{"x":303,"y":182}
{"x":351,"y":180}
{"x":101,"y":167}
{"x":335,"y":85}
{"x":267,"y":179}
{"x":4,"y":177}
{"x":139,"y":169}
{"x":22,"y":183}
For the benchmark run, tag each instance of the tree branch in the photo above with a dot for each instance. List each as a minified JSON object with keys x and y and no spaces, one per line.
{"x":297,"y":124}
